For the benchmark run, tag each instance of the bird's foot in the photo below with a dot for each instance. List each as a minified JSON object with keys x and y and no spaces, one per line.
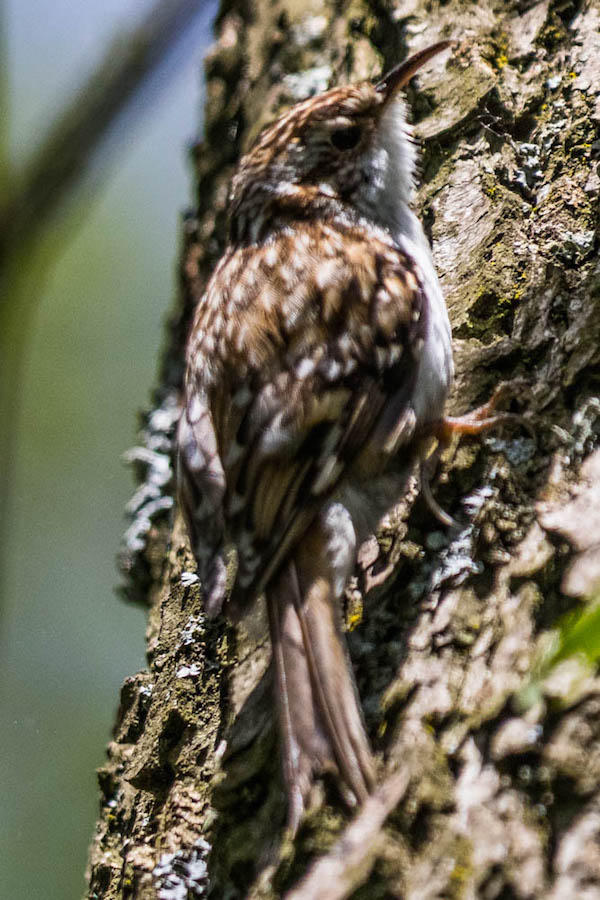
{"x":484,"y":418}
{"x":475,"y":423}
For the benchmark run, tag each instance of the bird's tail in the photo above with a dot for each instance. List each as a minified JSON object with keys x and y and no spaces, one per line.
{"x":321,"y":722}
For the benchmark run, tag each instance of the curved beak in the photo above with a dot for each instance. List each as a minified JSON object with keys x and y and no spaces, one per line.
{"x":401,"y":74}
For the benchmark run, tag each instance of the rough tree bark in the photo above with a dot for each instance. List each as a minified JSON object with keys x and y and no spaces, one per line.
{"x":490,"y":766}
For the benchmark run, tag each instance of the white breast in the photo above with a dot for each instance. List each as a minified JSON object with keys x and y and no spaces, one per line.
{"x":436,"y":368}
{"x":386,"y":198}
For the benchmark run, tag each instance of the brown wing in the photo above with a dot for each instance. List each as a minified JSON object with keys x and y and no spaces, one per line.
{"x":303,"y":350}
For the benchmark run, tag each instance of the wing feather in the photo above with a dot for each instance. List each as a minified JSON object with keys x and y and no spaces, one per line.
{"x":300,"y":392}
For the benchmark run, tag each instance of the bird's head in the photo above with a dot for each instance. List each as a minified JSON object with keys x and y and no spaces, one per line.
{"x":349,"y":146}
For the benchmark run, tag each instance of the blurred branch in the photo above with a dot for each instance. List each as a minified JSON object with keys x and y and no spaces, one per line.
{"x":30,"y":198}
{"x":71,"y":141}
{"x":4,"y":107}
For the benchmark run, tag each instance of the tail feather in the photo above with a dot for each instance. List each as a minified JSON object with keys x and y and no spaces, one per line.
{"x":320,"y":717}
{"x":305,"y":746}
{"x":334,"y":689}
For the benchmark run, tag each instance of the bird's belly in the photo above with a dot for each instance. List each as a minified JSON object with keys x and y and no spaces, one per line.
{"x":435,"y":375}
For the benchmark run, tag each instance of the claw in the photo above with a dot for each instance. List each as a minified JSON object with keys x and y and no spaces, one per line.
{"x":434,"y":507}
{"x":427,"y":471}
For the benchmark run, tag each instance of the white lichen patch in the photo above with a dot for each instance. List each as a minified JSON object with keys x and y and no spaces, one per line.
{"x":306,"y":84}
{"x":453,"y":561}
{"x":586,"y":426}
{"x":310,"y":31}
{"x":188,"y":671}
{"x":188,"y":579}
{"x":154,"y":497}
{"x":184,"y":874}
{"x":582,"y":437}
{"x":518,"y":451}
{"x":192,"y":631}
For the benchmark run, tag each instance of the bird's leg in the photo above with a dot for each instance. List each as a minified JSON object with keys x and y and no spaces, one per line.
{"x":475,"y":423}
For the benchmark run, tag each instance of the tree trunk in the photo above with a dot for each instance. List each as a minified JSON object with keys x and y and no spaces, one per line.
{"x":489,"y":757}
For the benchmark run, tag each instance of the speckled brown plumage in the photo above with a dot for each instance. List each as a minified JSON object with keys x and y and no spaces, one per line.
{"x":319,"y":352}
{"x":297,"y":347}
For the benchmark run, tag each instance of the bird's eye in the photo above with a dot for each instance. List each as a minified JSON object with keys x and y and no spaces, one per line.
{"x":346,"y":138}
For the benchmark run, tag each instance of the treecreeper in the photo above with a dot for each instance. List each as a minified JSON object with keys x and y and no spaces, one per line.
{"x":317,"y":369}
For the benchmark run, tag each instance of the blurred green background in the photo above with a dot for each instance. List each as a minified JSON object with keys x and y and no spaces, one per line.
{"x":92,"y":347}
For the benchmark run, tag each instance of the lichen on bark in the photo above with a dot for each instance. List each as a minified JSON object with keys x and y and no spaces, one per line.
{"x":501,"y":764}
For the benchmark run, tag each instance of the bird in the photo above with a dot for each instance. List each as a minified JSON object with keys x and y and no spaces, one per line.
{"x":317,"y":368}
